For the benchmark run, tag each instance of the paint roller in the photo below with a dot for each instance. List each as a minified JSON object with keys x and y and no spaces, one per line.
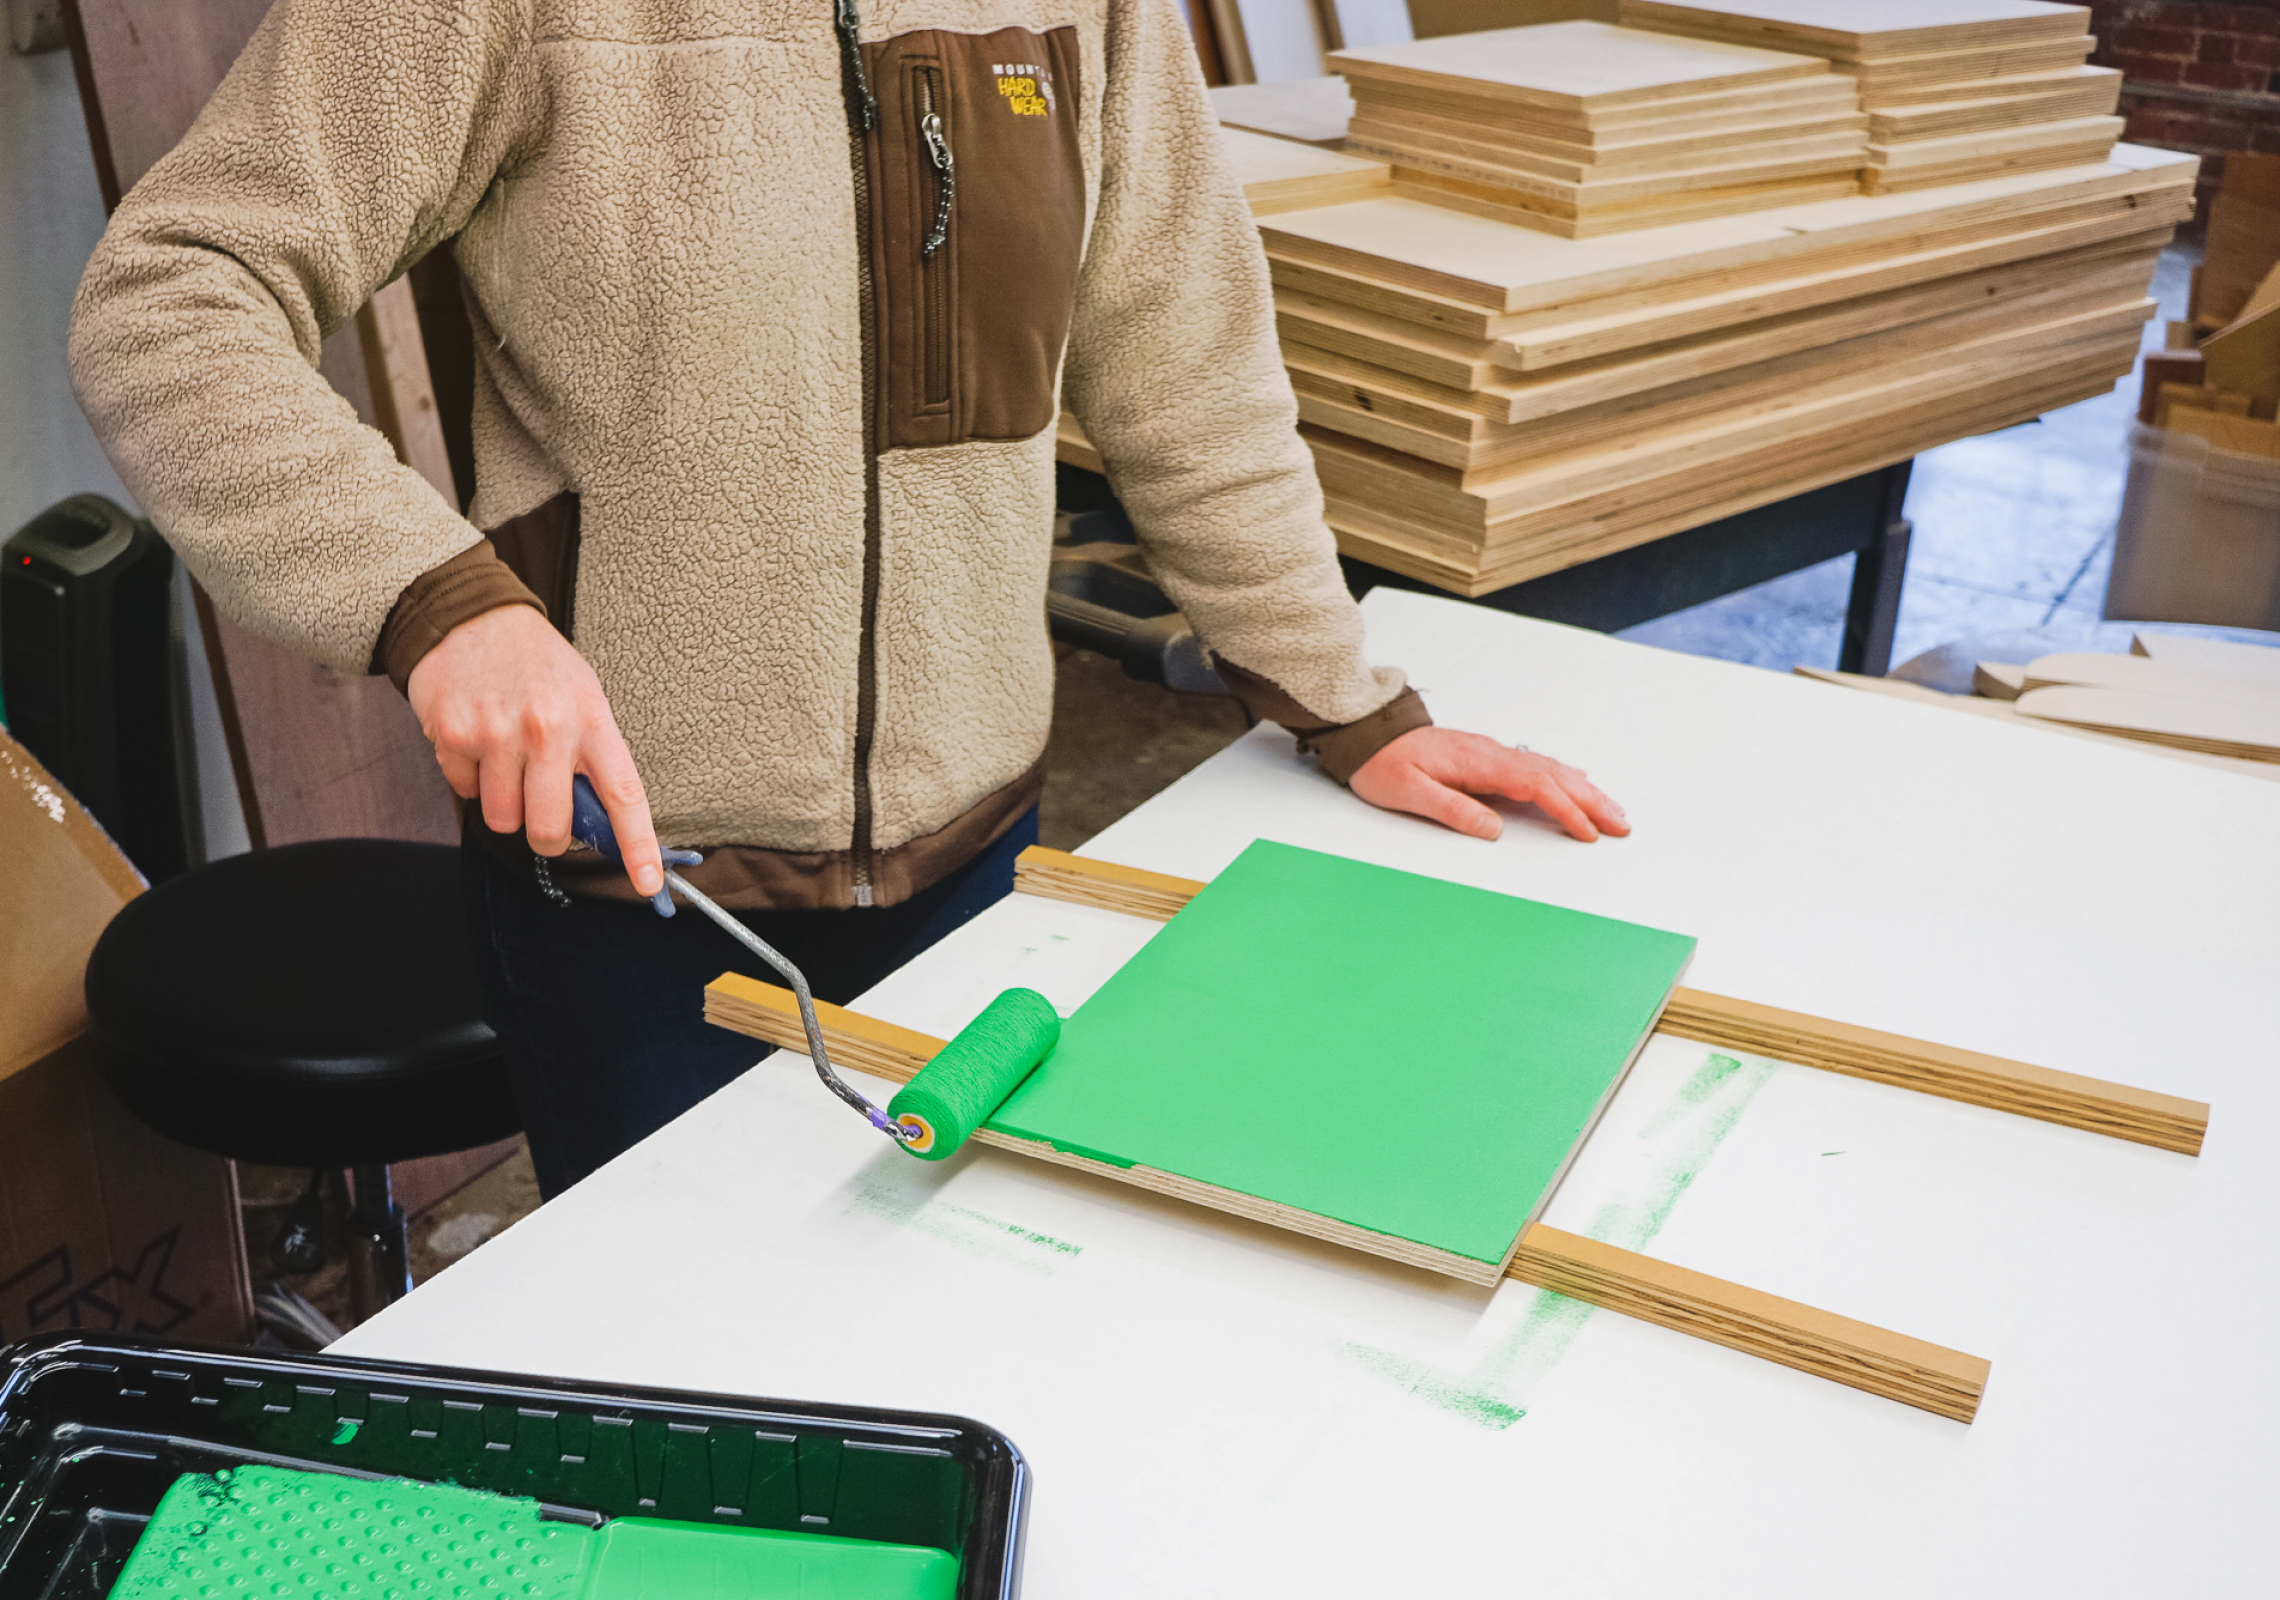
{"x":952,"y":1095}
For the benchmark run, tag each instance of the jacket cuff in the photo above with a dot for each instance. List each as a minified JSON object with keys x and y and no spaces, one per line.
{"x":439,"y":600}
{"x":1339,"y":748}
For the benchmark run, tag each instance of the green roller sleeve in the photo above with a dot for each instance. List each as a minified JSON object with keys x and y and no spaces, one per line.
{"x":955,"y":1092}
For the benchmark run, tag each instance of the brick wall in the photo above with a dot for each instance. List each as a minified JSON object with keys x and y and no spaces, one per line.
{"x":2198,"y":75}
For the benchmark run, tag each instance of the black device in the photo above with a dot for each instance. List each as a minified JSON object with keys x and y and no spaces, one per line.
{"x":88,"y":670}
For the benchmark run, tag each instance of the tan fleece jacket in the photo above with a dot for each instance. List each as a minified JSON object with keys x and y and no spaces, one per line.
{"x":770,"y":331}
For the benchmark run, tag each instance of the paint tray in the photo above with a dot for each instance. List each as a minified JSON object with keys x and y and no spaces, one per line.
{"x":93,"y":1433}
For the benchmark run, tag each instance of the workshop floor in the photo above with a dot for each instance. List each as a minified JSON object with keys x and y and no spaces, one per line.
{"x":2013,"y":531}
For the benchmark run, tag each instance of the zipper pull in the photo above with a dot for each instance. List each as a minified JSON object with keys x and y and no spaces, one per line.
{"x":862,"y":105}
{"x":945,"y":167}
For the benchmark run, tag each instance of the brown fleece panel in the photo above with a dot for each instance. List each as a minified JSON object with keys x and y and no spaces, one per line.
{"x":749,"y":878}
{"x":973,"y":332}
{"x":439,"y":600}
{"x":541,"y":548}
{"x":1340,"y":748}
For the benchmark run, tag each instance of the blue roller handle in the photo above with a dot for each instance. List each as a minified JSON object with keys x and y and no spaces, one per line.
{"x":590,"y":826}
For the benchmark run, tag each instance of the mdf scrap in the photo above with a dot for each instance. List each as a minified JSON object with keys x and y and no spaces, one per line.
{"x":2214,"y":705}
{"x":1581,"y":128}
{"x":1954,"y":89}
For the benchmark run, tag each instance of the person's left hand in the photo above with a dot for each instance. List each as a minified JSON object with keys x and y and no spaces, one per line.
{"x":1435,"y":772}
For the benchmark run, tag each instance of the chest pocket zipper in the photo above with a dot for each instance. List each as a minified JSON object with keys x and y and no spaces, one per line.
{"x":934,"y":268}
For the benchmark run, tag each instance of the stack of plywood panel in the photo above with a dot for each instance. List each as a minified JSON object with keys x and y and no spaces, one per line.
{"x":1488,"y":403}
{"x":1580,"y":128}
{"x":1954,"y":89}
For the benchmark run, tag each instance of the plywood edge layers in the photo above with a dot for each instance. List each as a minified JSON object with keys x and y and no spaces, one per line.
{"x":1856,"y":1354}
{"x":2139,"y":1115}
{"x":1859,"y":1355}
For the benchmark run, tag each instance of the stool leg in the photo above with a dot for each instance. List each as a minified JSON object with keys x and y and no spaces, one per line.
{"x":379,"y":1272}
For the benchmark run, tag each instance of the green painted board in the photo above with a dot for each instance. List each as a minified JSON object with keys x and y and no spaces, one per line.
{"x":1393,"y":1052}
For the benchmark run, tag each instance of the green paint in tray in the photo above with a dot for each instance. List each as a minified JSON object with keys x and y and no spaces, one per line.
{"x":1410,"y":1056}
{"x":320,"y":1536}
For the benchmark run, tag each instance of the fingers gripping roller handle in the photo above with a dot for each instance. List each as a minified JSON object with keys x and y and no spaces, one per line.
{"x":590,"y":824}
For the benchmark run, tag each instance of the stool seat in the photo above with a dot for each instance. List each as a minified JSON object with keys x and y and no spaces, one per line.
{"x":314,"y":1005}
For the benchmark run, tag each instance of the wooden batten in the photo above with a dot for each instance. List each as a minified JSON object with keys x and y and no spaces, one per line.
{"x":1857,"y":1354}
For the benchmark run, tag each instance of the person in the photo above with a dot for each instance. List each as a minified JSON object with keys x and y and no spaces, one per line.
{"x":774,"y":306}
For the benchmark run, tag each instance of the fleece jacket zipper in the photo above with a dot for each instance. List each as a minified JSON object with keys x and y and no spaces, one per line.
{"x":932,"y":267}
{"x":862,"y":119}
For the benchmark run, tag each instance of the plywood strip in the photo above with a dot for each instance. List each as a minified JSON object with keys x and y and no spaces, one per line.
{"x":1058,"y":875}
{"x":2139,"y":1115}
{"x":1856,"y":1354}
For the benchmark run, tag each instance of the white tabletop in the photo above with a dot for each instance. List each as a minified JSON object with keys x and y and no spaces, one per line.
{"x":1215,"y":1408}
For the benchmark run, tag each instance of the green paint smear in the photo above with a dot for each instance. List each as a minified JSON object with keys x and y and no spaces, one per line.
{"x":346,"y":1431}
{"x":1684,"y":1134}
{"x":1286,"y":1036}
{"x":885,"y":1191}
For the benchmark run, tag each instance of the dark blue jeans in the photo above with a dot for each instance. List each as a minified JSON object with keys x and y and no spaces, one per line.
{"x":599,"y":1005}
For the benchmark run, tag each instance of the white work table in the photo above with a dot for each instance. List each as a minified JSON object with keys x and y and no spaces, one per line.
{"x":1214,"y":1408}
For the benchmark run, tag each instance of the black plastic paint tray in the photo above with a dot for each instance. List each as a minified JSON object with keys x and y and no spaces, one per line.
{"x":92,"y":1432}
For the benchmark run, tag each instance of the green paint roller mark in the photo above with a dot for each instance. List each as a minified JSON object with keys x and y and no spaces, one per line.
{"x":1043,"y":1241}
{"x":1682,"y":1136}
{"x":883,"y":1191}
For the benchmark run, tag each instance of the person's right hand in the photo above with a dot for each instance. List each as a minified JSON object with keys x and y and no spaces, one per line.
{"x":513,"y":711}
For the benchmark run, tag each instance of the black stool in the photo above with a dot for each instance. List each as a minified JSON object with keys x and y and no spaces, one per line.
{"x":315,"y":1005}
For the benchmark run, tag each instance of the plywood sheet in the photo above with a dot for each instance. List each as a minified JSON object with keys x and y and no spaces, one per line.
{"x":1313,"y":110}
{"x":2092,"y":92}
{"x":1628,"y":148}
{"x":1961,"y":66}
{"x":1599,"y":216}
{"x":1886,"y":180}
{"x":1666,"y":162}
{"x":1573,"y":65}
{"x":1995,"y":142}
{"x":1824,"y":95}
{"x":2018,"y":86}
{"x":1284,"y":175}
{"x":1281,"y":1038}
{"x":1627,"y":518}
{"x":1865,"y":29}
{"x":1472,"y":260}
{"x":1617,"y":440}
